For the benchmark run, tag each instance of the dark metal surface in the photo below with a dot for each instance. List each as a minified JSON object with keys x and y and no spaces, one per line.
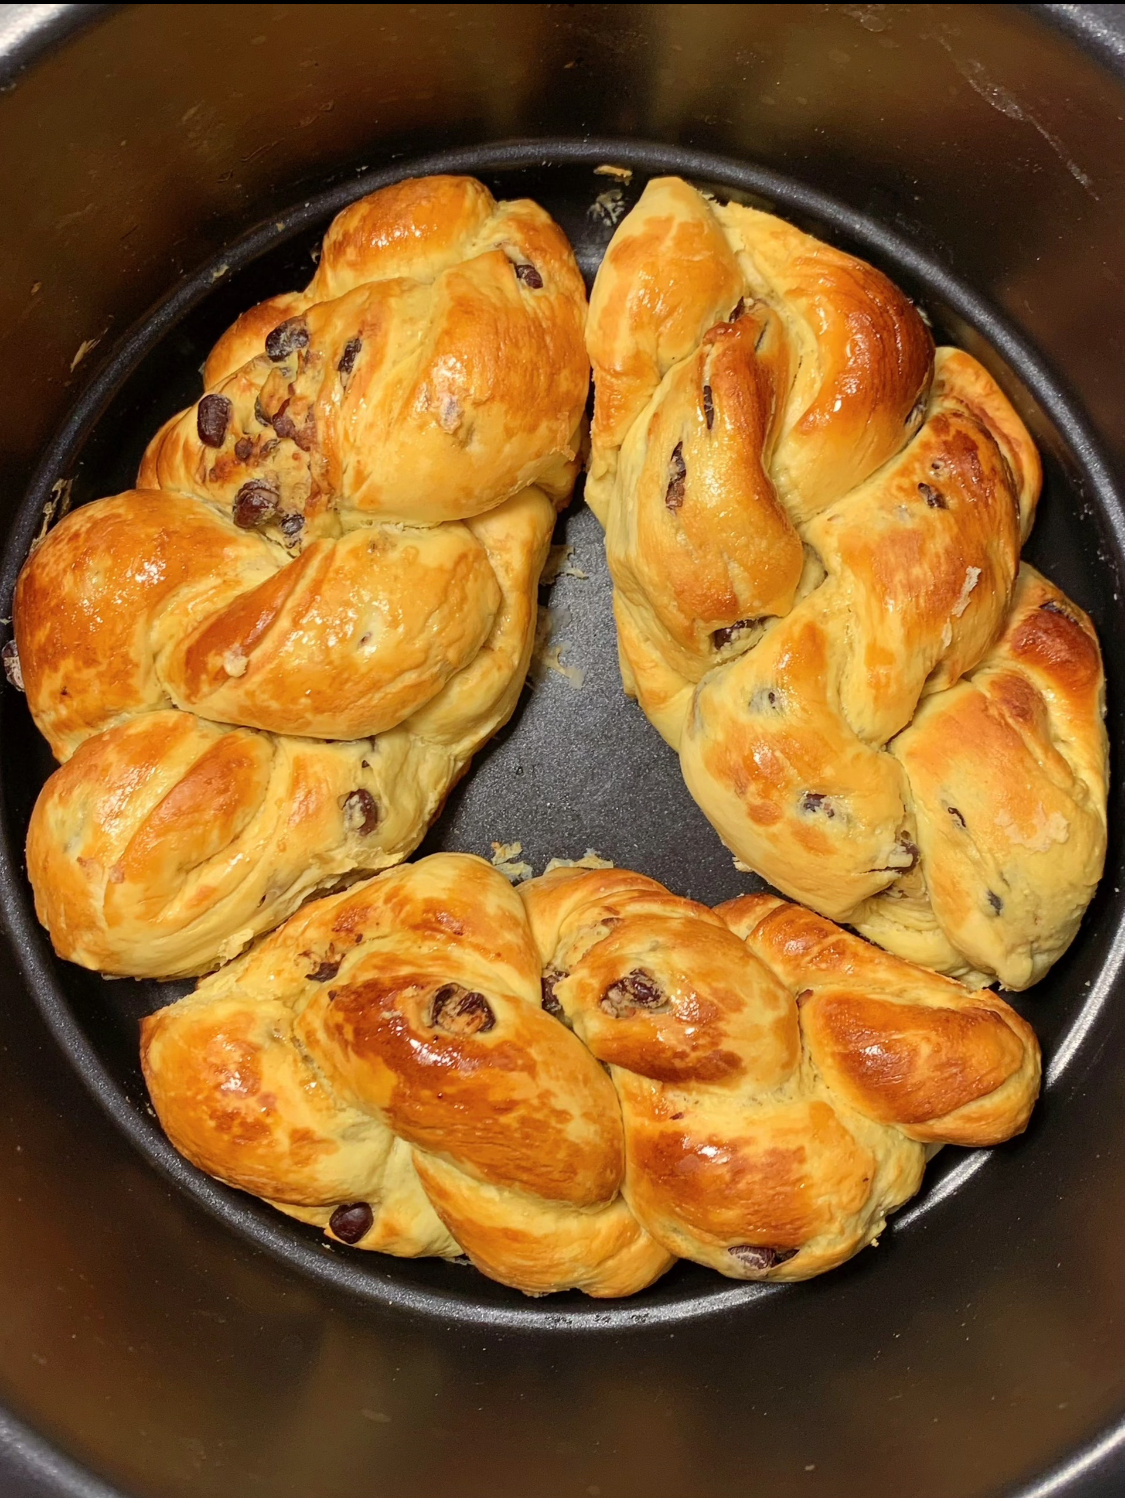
{"x":977,"y":1347}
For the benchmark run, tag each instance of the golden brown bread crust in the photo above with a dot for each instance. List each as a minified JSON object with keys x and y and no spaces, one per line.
{"x":338,"y":546}
{"x":443,"y":369}
{"x":1009,"y":773}
{"x":902,"y":1044}
{"x":415,"y":1063}
{"x":668,"y":276}
{"x":813,"y":525}
{"x":407,"y":1012}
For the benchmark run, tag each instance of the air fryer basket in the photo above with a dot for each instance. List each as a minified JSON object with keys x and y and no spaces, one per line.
{"x":164,"y":170}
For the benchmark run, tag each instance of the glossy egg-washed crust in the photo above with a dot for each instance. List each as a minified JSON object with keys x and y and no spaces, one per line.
{"x":265,"y":666}
{"x":814,"y":522}
{"x":578,"y":1081}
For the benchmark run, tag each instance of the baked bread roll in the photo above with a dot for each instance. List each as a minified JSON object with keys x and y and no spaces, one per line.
{"x":813,"y":523}
{"x":265,"y":666}
{"x":575,"y":1082}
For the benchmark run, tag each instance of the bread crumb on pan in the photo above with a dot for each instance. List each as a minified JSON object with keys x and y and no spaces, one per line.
{"x":559,"y":563}
{"x":546,"y":654}
{"x":591,"y":859}
{"x":506,"y":860}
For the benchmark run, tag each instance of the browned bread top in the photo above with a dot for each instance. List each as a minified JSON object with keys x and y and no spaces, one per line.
{"x":276,"y":654}
{"x":813,"y":523}
{"x":576,"y":1082}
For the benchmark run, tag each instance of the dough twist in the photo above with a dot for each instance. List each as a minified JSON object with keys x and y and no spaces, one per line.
{"x":265,"y":666}
{"x":813,"y":524}
{"x":413,"y":1065}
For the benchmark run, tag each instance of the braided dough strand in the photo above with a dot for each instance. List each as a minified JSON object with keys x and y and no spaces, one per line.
{"x":578,"y":1082}
{"x":265,"y":666}
{"x":813,"y":523}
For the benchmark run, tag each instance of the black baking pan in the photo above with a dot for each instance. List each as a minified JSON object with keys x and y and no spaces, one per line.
{"x":160,"y":169}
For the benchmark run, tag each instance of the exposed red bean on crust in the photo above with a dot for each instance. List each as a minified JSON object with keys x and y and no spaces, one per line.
{"x":721,"y":638}
{"x":636,"y":990}
{"x":352,"y":1222}
{"x":361,"y":812}
{"x":212,"y":418}
{"x":286,"y":339}
{"x":1052,"y":606}
{"x":753,"y":1257}
{"x":677,"y":476}
{"x":255,"y":504}
{"x":461,"y":1011}
{"x":551,"y":978}
{"x":816,"y":803}
{"x":349,"y":356}
{"x":325,"y":971}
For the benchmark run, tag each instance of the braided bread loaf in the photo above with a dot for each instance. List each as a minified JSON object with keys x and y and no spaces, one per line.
{"x":413,"y":1065}
{"x":813,"y":526}
{"x":266,"y":665}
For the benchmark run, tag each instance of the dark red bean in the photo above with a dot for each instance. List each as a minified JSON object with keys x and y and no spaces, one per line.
{"x":352,"y":1222}
{"x":720,"y":638}
{"x":551,"y":978}
{"x":906,"y":849}
{"x":244,"y":449}
{"x":636,"y":990}
{"x":1053,"y":607}
{"x":286,"y":339}
{"x":325,"y":971}
{"x":677,"y":476}
{"x":349,"y":356}
{"x":913,"y":852}
{"x":284,"y":425}
{"x":708,"y":406}
{"x":753,"y":1257}
{"x":292,"y":526}
{"x":305,"y":435}
{"x":529,"y":276}
{"x":460,"y":1011}
{"x":766,"y":699}
{"x":361,"y":812}
{"x":933,"y":497}
{"x":255,"y":504}
{"x":740,"y":309}
{"x":816,"y":802}
{"x":212,"y":417}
